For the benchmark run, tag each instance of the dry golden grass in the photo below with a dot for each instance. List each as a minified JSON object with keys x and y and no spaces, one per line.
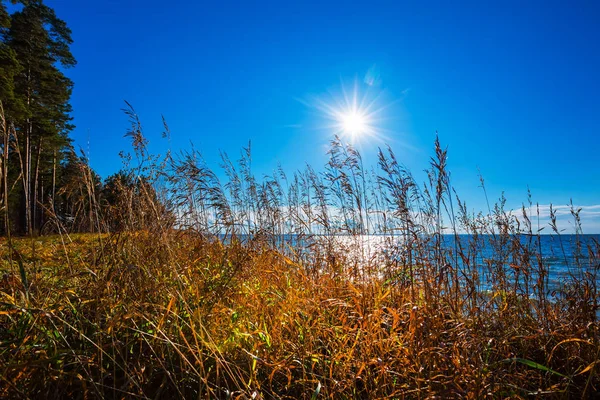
{"x":165,"y":301}
{"x":176,"y":315}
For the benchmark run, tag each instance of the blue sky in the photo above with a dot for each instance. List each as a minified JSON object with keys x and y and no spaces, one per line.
{"x":512,"y":88}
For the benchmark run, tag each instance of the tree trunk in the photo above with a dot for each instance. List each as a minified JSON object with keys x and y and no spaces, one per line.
{"x":34,"y":204}
{"x":26,"y":169}
{"x":27,"y":178}
{"x":4,"y":171}
{"x":53,"y":178}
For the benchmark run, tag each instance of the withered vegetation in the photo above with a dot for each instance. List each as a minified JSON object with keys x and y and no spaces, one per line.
{"x":184,"y":286}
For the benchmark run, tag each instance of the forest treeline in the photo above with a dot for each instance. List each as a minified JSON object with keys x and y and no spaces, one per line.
{"x":43,"y":178}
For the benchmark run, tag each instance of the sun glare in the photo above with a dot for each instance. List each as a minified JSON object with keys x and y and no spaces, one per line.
{"x":354,"y":122}
{"x":353,"y":115}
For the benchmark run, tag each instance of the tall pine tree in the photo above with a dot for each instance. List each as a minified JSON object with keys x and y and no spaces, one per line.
{"x":8,"y":69}
{"x":8,"y":62}
{"x":40,"y":42}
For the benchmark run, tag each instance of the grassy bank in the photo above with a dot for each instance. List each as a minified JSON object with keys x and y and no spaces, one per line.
{"x":174,"y":314}
{"x":164,"y":299}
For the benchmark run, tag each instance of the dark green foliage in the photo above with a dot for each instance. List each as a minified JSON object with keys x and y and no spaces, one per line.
{"x":9,"y":66}
{"x":35,"y":95}
{"x":125,"y":201}
{"x":4,"y":17}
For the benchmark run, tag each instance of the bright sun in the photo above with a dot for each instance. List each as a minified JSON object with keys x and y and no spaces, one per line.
{"x":352,"y":115}
{"x":354,"y":122}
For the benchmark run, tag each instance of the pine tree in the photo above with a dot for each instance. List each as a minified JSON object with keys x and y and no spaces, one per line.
{"x":40,"y":42}
{"x":8,"y":62}
{"x":8,"y":69}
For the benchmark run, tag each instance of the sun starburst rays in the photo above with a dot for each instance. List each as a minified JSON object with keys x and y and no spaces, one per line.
{"x":352,"y":115}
